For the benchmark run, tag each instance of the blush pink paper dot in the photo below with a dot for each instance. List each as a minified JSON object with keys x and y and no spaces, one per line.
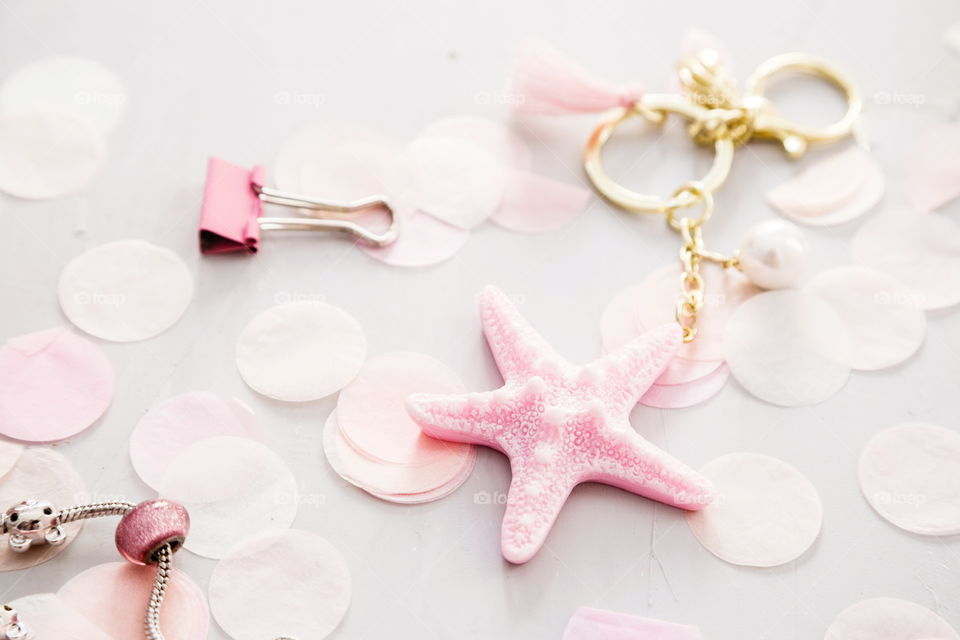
{"x":290,"y":583}
{"x":423,"y":241}
{"x":921,"y":251}
{"x":177,"y":422}
{"x":233,"y":488}
{"x":597,"y":624}
{"x":372,"y":414}
{"x":300,"y":351}
{"x":687,"y":394}
{"x":910,"y":474}
{"x":889,"y":619}
{"x":125,"y":291}
{"x":502,"y":143}
{"x":47,"y":152}
{"x":461,"y":183}
{"x":53,"y":385}
{"x":726,"y":289}
{"x":113,"y":596}
{"x":45,"y":474}
{"x":788,"y":347}
{"x":933,"y":168}
{"x":384,"y":479}
{"x":837,"y":190}
{"x":617,"y":323}
{"x":884,"y":323}
{"x":358,"y":169}
{"x":48,"y":616}
{"x":766,"y":513}
{"x":9,"y":454}
{"x":535,"y":204}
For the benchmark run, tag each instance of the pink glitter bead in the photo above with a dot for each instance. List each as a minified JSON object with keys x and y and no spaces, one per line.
{"x":149,"y":526}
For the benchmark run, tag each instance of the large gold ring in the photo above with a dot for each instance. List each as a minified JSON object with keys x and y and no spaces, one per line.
{"x":653,"y":107}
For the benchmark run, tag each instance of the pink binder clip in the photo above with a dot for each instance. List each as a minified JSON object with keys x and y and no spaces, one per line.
{"x":232,"y":215}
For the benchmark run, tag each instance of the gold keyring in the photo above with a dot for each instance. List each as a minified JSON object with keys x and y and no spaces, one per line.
{"x":651,"y":106}
{"x":793,"y":135}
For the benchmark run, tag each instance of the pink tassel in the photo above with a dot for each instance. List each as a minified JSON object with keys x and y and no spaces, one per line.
{"x":546,"y":82}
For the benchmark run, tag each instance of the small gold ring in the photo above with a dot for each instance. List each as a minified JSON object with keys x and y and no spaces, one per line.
{"x":771,"y":124}
{"x":651,"y":106}
{"x":697,"y":192}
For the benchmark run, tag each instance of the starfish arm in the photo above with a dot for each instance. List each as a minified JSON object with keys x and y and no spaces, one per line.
{"x":467,"y":417}
{"x":538,"y":491}
{"x":629,"y":371}
{"x":517,"y":347}
{"x":634,"y":464}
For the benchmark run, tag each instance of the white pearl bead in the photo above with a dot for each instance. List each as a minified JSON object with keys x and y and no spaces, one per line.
{"x":773,"y":254}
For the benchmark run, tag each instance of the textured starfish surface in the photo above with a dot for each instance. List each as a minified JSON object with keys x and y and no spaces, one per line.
{"x":561,"y":424}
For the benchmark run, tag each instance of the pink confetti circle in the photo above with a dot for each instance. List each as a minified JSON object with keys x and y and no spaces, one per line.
{"x":394,"y":482}
{"x":536,"y":204}
{"x":766,"y":513}
{"x":372,"y":414}
{"x":910,"y":474}
{"x":832,"y":191}
{"x":617,"y":324}
{"x":889,"y":619}
{"x":933,"y":169}
{"x":725,"y":290}
{"x":423,"y":241}
{"x":884,"y":323}
{"x":48,"y":475}
{"x":113,"y":596}
{"x":281,"y":583}
{"x":176,"y":423}
{"x":921,"y":251}
{"x":300,"y":351}
{"x":53,"y":385}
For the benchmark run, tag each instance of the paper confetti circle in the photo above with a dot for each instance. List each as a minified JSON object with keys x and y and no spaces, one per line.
{"x":889,"y":619}
{"x":687,"y":394}
{"x":53,"y":385}
{"x":788,"y":347}
{"x":401,"y":483}
{"x":233,"y":488}
{"x":503,"y":144}
{"x":125,"y":291}
{"x":176,"y":423}
{"x":113,"y":596}
{"x":884,"y":324}
{"x":921,"y":251}
{"x":83,"y":86}
{"x":424,"y":241}
{"x":48,"y":616}
{"x":910,"y":474}
{"x":372,"y":414}
{"x":766,"y":513}
{"x":292,"y":584}
{"x":300,"y":351}
{"x":48,"y":153}
{"x":49,"y":475}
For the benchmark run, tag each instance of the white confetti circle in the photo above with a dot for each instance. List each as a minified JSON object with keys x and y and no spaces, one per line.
{"x":47,"y":152}
{"x":77,"y":84}
{"x":766,"y":513}
{"x":294,"y":572}
{"x":910,"y":474}
{"x":889,"y":619}
{"x":788,"y":347}
{"x":125,"y":291}
{"x":301,"y":351}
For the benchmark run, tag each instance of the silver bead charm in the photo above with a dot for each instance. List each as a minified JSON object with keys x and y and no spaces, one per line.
{"x":32,"y":522}
{"x":10,"y":626}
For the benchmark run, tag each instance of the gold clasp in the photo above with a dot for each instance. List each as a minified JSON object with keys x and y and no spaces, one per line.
{"x":722,"y":118}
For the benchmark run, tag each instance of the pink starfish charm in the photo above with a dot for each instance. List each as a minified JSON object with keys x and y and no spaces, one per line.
{"x":561,"y":424}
